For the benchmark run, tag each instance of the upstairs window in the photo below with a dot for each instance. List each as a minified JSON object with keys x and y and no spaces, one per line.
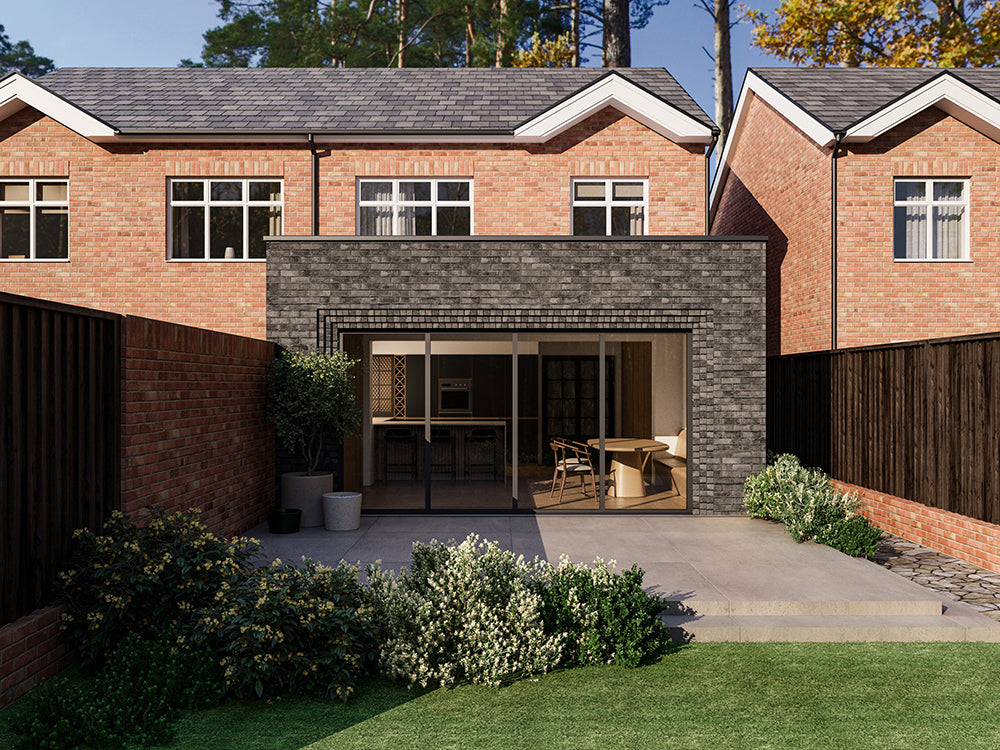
{"x":423,"y":208}
{"x":34,"y":219}
{"x":931,"y":220}
{"x":609,"y":207}
{"x":223,"y":219}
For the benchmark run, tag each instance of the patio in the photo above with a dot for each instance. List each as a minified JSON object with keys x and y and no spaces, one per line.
{"x":725,"y":578}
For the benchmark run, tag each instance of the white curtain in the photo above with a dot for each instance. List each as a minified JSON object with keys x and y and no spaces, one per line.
{"x":916,"y":231}
{"x":949,"y":231}
{"x":377,"y":220}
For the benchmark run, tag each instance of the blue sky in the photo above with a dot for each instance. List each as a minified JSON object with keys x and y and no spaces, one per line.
{"x":139,"y":32}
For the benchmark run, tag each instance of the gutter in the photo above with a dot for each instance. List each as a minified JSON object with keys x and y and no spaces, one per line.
{"x":708,"y":180}
{"x":837,"y":139}
{"x":315,"y":185}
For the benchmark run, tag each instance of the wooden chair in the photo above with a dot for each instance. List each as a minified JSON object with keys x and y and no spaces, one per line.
{"x":571,"y":459}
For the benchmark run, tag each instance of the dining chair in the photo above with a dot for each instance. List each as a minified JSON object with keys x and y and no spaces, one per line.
{"x":571,"y":459}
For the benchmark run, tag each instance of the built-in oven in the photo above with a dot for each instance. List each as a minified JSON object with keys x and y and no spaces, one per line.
{"x":455,"y":397}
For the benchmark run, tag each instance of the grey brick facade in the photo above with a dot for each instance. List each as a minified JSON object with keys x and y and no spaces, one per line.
{"x":712,"y":288}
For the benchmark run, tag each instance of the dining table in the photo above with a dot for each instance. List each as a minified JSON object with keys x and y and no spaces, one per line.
{"x":629,"y":457}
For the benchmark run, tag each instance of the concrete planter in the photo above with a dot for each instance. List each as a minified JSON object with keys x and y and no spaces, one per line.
{"x":342,"y":510}
{"x":304,"y":492}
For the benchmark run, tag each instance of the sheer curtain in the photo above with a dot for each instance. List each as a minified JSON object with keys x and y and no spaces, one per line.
{"x":376,"y":220}
{"x":949,"y":231}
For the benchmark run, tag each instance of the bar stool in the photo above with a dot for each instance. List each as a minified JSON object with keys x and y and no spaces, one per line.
{"x":400,"y":453}
{"x":480,"y":452}
{"x":442,"y":453}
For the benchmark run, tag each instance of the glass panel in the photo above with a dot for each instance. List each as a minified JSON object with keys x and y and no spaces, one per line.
{"x":588,"y":191}
{"x":188,"y":191}
{"x":949,"y":231}
{"x":264,"y":222}
{"x":415,"y":221}
{"x":226,"y":228}
{"x":51,"y":232}
{"x":909,"y":232}
{"x":626,"y":220}
{"x":14,"y":191}
{"x":376,"y":191}
{"x":265,"y":191}
{"x":376,"y":221}
{"x":627,"y":191}
{"x":911,"y":191}
{"x":187,"y":231}
{"x":590,"y":221}
{"x":414,"y":191}
{"x":15,"y":233}
{"x":949,"y":191}
{"x":51,"y":191}
{"x":227,"y":191}
{"x":454,"y":221}
{"x":453,"y":191}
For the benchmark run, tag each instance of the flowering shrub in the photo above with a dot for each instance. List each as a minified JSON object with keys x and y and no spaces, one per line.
{"x":143,"y":579}
{"x":607,"y":617}
{"x":466,"y":612}
{"x":291,"y":629}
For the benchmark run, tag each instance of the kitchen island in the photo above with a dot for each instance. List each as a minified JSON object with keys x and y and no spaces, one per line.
{"x":461,"y":449}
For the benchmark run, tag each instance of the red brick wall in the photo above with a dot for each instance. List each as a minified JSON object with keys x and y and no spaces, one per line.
{"x":779,"y":186}
{"x":30,"y":652}
{"x":118,"y":205}
{"x":969,"y":539}
{"x":193,"y":427}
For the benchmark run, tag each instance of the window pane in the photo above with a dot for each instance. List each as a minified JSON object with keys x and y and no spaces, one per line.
{"x":264,"y":221}
{"x":454,"y":221}
{"x":589,"y":221}
{"x":453,"y":191}
{"x":376,"y":221}
{"x":627,"y":191}
{"x":414,"y":191}
{"x":187,"y":232}
{"x":188,"y":191}
{"x":588,"y":191}
{"x":415,"y":221}
{"x":51,"y":191}
{"x":376,"y":191}
{"x":51,"y":232}
{"x":911,"y":191}
{"x":227,"y":191}
{"x":225,"y":223}
{"x":949,"y":231}
{"x":949,"y":191}
{"x":909,"y":228}
{"x":14,"y":191}
{"x":626,"y":220}
{"x":15,"y":233}
{"x":265,"y":191}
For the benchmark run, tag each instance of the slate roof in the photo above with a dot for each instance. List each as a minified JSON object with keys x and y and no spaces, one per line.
{"x":840,"y":97}
{"x":328,"y":100}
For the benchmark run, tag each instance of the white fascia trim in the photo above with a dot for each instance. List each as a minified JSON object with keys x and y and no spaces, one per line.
{"x":946,"y":92}
{"x":181,"y":136}
{"x":17,"y":92}
{"x":618,"y":92}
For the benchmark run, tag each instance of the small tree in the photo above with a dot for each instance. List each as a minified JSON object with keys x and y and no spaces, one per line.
{"x":311,"y":394}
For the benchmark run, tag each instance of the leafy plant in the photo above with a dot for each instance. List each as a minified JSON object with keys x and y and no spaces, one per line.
{"x":144,"y":579}
{"x":855,"y":536}
{"x":311,"y":394}
{"x":291,"y":629}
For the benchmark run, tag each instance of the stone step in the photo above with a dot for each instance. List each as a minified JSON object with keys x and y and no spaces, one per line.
{"x":928,"y":606}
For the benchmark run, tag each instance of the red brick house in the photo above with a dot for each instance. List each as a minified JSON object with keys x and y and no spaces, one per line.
{"x":877,"y":189}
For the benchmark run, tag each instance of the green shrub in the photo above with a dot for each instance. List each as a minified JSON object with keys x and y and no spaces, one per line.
{"x":607,"y":617}
{"x":783,"y":483}
{"x":292,"y":629}
{"x":855,"y":536}
{"x":466,"y":612}
{"x":134,"y":698}
{"x":143,"y":579}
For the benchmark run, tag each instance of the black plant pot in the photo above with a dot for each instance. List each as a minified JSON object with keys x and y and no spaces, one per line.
{"x":284,"y":520}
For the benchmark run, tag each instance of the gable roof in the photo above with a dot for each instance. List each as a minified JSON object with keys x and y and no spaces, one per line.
{"x":340,"y":103}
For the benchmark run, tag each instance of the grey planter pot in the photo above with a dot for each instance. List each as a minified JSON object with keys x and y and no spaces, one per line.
{"x":306,"y":493}
{"x":342,"y":511}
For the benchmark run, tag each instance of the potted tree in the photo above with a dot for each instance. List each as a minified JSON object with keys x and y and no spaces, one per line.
{"x":310,"y":396}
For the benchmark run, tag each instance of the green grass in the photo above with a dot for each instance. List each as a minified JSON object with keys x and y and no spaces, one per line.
{"x":799,"y":696}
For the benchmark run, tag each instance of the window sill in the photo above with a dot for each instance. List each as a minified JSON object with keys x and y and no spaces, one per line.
{"x":932,"y":260}
{"x":216,"y":260}
{"x":34,"y":260}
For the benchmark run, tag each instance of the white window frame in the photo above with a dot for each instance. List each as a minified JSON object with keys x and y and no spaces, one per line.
{"x":396,"y":204}
{"x":929,"y":204}
{"x":608,"y":201}
{"x":31,"y":204}
{"x":207,"y":204}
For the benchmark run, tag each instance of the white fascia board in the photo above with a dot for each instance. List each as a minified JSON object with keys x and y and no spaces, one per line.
{"x":321,"y":139}
{"x":957,"y":98}
{"x":17,"y":92}
{"x":618,"y":92}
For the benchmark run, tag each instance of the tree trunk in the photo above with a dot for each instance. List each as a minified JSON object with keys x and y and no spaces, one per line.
{"x":574,"y":32}
{"x":470,"y":35}
{"x":402,"y":12}
{"x":617,"y":45}
{"x":723,"y":71}
{"x":503,"y":34}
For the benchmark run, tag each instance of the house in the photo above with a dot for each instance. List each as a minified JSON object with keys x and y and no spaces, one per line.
{"x":877,"y":190}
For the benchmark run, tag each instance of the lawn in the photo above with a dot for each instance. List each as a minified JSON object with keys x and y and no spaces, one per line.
{"x":705,"y":695}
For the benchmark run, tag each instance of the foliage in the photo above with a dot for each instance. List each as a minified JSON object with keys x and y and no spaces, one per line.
{"x":142,"y":579}
{"x":902,"y":33}
{"x":311,"y":394}
{"x":290,"y":629}
{"x":135,"y":697}
{"x":547,"y":53}
{"x":21,"y":57}
{"x":607,"y":617}
{"x":809,"y":507}
{"x":465,"y":612}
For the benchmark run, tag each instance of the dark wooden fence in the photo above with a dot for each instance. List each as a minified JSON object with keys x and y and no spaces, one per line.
{"x":918,"y":420}
{"x":59,"y":439}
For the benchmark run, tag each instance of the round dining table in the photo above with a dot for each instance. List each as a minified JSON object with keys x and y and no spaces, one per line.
{"x":629,"y":457}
